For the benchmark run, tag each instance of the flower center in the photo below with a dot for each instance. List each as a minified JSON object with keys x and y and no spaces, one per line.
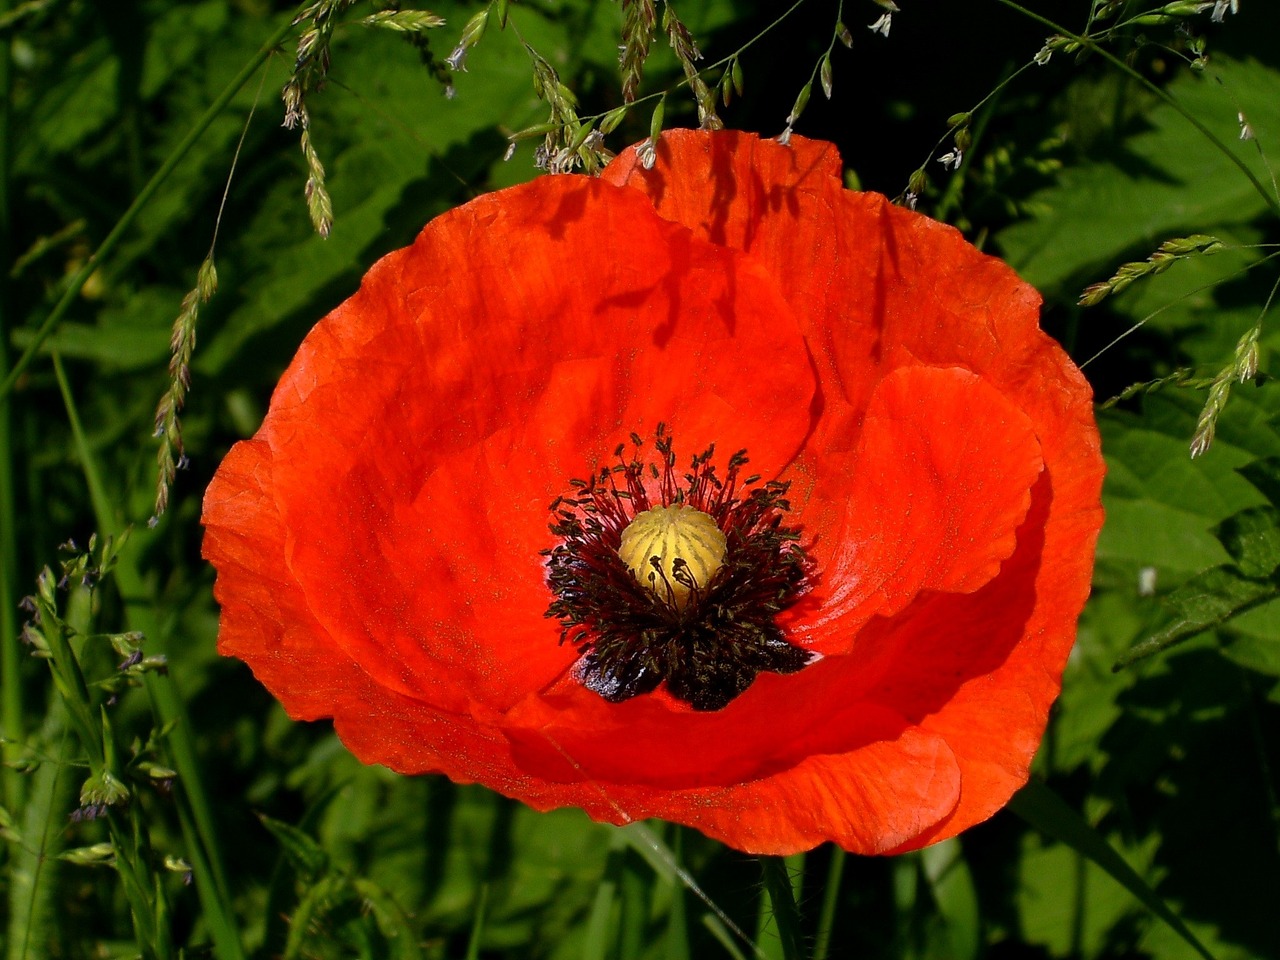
{"x":659,"y":577}
{"x":674,"y":550}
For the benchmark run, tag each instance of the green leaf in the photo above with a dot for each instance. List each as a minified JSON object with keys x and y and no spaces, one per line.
{"x":1162,"y":507}
{"x":67,"y":113}
{"x":1264,"y":474}
{"x":316,"y":901}
{"x":392,"y":920}
{"x":1046,"y":812}
{"x":1208,"y":600}
{"x":956,"y":898}
{"x":1161,"y":183}
{"x":1160,"y":504}
{"x":181,"y":36}
{"x":1252,"y":537}
{"x":1251,"y":639}
{"x":304,"y":853}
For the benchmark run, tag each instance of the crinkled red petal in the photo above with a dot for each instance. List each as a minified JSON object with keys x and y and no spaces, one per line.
{"x":882,"y":291}
{"x":426,"y":426}
{"x":377,"y":542}
{"x":898,"y":782}
{"x":930,"y":498}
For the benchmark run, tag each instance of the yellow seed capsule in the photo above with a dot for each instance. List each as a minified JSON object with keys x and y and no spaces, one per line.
{"x":670,"y":534}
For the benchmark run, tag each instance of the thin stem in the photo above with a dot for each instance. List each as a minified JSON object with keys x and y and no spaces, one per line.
{"x":93,"y":478}
{"x":71,"y":682}
{"x":1186,"y":296}
{"x":952,"y":194}
{"x":684,"y":81}
{"x":1089,"y":43}
{"x":198,"y":830}
{"x":477,"y":923}
{"x":144,"y":197}
{"x":786,"y":915}
{"x":130,"y":843}
{"x":33,"y":868}
{"x":140,"y":886}
{"x":750,"y":43}
{"x":1046,"y":812}
{"x":814,"y":74}
{"x":667,"y":859}
{"x":830,"y":899}
{"x":11,"y":721}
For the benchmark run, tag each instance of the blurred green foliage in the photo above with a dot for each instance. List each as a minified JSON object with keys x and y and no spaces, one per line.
{"x":1074,"y":167}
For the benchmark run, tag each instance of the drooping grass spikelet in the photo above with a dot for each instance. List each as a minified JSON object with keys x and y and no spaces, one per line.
{"x":1182,"y":377}
{"x":568,"y":142}
{"x":182,"y":344}
{"x":1171,"y":251}
{"x":687,"y":52}
{"x":640,"y":18}
{"x":319,"y":205}
{"x":310,"y":67}
{"x":1243,"y":367}
{"x":403,"y":21}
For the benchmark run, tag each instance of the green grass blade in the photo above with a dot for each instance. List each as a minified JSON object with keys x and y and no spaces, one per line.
{"x":782,"y":898}
{"x":597,"y":943}
{"x":830,"y":898}
{"x":723,"y":936}
{"x":144,"y":197}
{"x":34,"y":864}
{"x":198,"y":831}
{"x":956,"y":898}
{"x":477,"y":923}
{"x":635,"y":899}
{"x":1047,"y":812}
{"x":392,"y":921}
{"x":11,"y":722}
{"x":678,"y":946}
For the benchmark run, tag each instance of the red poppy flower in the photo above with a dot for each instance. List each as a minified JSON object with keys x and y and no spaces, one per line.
{"x":860,"y":643}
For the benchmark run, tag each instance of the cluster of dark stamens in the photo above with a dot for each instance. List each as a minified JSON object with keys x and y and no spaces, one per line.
{"x":632,"y":635}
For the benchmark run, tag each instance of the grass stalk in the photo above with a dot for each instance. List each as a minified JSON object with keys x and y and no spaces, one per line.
{"x":782,"y":898}
{"x":1088,"y":43}
{"x":830,"y":900}
{"x":11,"y":719}
{"x":477,"y":923}
{"x":196,"y":818}
{"x":144,"y":197}
{"x":195,"y":810}
{"x":34,"y":864}
{"x":676,"y":946}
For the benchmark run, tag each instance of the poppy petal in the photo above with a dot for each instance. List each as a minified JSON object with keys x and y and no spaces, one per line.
{"x":871,"y":800}
{"x":415,"y":455}
{"x":881,"y":797}
{"x":378,"y":542}
{"x":889,"y":289}
{"x":930,"y":499}
{"x":883,"y":793}
{"x":264,"y":618}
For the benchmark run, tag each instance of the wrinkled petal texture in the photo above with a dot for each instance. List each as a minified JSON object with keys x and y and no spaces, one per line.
{"x":378,"y":541}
